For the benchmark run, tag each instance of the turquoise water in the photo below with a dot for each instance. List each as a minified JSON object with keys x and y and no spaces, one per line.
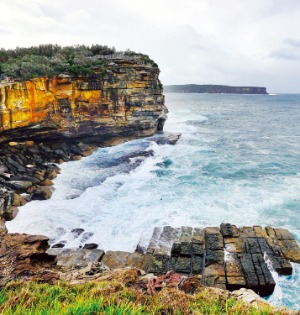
{"x":237,"y":161}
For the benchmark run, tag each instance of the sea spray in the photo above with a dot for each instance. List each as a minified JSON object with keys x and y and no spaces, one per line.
{"x":237,"y":161}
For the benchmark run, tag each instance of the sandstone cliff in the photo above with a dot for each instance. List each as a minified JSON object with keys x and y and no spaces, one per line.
{"x":122,"y":98}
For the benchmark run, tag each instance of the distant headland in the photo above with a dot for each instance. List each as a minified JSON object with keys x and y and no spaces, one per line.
{"x":210,"y":88}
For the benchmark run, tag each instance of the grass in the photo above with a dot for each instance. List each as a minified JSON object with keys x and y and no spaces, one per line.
{"x":113,"y":298}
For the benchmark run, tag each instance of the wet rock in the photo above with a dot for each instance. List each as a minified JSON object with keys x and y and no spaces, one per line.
{"x":197,"y":265}
{"x":10,"y":213}
{"x":166,"y":139}
{"x":234,"y":272}
{"x":42,"y":193}
{"x":185,"y":241}
{"x":290,"y":250}
{"x":135,"y":260}
{"x":18,"y":201}
{"x":76,"y":232}
{"x":227,"y":257}
{"x":166,"y":240}
{"x":59,"y":245}
{"x":214,"y":246}
{"x":76,"y":157}
{"x":283,"y":234}
{"x":3,"y":169}
{"x":183,"y":265}
{"x":154,"y":242}
{"x":228,"y":230}
{"x":19,"y":185}
{"x":265,"y":279}
{"x":157,"y":264}
{"x":90,"y":246}
{"x":32,"y":189}
{"x":46,"y":182}
{"x":140,"y":249}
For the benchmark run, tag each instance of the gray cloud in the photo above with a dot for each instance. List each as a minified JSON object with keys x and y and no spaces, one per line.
{"x":289,"y":50}
{"x":4,"y":31}
{"x":292,"y":42}
{"x":249,"y":42}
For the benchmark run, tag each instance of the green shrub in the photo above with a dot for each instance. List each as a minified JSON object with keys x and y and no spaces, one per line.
{"x":48,"y":60}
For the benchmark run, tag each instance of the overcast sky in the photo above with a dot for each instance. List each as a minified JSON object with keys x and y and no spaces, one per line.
{"x":233,"y":42}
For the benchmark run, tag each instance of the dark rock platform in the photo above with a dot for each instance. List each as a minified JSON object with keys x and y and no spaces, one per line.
{"x":226,"y":257}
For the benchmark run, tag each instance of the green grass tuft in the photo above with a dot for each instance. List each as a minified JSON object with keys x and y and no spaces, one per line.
{"x":113,"y":298}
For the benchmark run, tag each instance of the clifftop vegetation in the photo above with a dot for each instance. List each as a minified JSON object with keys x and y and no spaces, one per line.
{"x":48,"y":60}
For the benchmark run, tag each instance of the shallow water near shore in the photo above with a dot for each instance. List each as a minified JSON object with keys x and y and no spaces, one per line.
{"x":237,"y":161}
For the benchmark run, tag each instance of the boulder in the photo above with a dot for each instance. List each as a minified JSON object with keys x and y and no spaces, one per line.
{"x":42,"y":193}
{"x":10,"y":213}
{"x":19,"y":185}
{"x":90,"y":246}
{"x":18,"y":201}
{"x":23,"y":256}
{"x":166,"y":138}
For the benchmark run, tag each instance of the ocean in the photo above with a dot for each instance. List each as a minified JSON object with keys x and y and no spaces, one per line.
{"x":237,"y":161}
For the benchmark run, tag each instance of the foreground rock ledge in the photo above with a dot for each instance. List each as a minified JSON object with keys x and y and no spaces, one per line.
{"x":226,"y":258}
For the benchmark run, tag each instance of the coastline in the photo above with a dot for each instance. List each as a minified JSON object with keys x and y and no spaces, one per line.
{"x":65,"y":259}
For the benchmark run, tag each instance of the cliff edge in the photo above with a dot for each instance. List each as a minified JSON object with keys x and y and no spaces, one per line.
{"x":122,"y":97}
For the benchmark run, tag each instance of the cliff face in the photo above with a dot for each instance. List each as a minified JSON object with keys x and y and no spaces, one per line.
{"x":123,"y":99}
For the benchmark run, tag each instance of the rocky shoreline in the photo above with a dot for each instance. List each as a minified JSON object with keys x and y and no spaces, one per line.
{"x":28,"y":168}
{"x":227,"y":258}
{"x":29,"y":258}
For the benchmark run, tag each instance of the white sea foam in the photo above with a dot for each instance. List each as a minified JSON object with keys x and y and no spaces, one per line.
{"x":240,"y":170}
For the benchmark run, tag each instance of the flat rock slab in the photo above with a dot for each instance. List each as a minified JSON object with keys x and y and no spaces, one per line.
{"x":67,"y":258}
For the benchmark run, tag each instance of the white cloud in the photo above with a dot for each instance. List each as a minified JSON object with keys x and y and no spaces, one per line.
{"x":249,"y":42}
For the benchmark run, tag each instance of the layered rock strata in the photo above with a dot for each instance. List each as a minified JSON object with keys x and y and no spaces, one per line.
{"x":122,"y":99}
{"x":227,"y":257}
{"x":23,"y":256}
